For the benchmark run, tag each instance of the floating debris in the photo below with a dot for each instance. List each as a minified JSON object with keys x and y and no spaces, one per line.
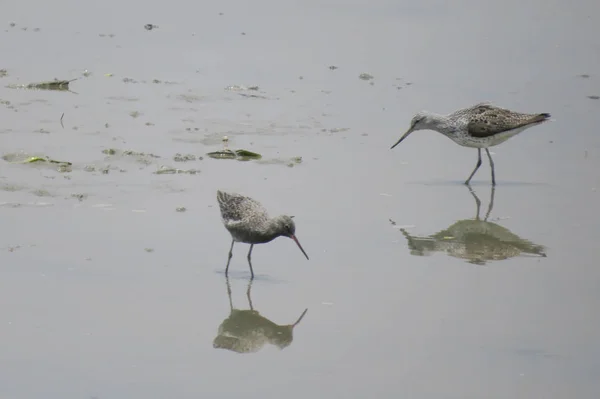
{"x":253,"y":96}
{"x":594,"y":97}
{"x":333,"y":67}
{"x":365,"y":76}
{"x":60,"y":85}
{"x":180,"y":209}
{"x":245,"y":155}
{"x":223,"y":154}
{"x":294,"y":161}
{"x":3,"y":73}
{"x":21,"y":158}
{"x":184,"y":158}
{"x":167,"y":170}
{"x":140,"y":154}
{"x":241,"y":88}
{"x":150,"y":26}
{"x":142,"y":157}
{"x":129,"y":80}
{"x":240,"y":155}
{"x":38,"y":159}
{"x":584,"y":76}
{"x":79,"y":197}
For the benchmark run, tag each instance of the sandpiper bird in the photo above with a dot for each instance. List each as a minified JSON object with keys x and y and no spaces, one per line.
{"x":480,"y":126}
{"x":247,"y":221}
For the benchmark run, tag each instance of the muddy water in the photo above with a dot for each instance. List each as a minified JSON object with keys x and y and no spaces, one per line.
{"x":109,"y":290}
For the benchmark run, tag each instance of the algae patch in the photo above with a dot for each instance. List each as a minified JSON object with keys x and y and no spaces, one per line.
{"x":56,"y":84}
{"x":167,"y":170}
{"x":22,"y":158}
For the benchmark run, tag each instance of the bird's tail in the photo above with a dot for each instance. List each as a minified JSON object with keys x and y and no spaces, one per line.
{"x":222,"y":196}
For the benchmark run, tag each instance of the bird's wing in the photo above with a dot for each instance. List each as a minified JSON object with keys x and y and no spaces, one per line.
{"x":486,"y":120}
{"x":237,"y":208}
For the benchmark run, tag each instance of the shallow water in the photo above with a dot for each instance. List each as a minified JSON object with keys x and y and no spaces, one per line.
{"x":107,"y":291}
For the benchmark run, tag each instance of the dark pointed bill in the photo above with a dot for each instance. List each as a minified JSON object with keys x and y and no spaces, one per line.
{"x":409,"y":131}
{"x":300,"y":318}
{"x":293,"y":237}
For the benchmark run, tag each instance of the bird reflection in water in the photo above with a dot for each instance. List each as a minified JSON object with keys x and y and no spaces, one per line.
{"x":246,"y":331}
{"x":476,"y":240}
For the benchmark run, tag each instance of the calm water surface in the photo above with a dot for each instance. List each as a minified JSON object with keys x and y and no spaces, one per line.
{"x":106,"y":291}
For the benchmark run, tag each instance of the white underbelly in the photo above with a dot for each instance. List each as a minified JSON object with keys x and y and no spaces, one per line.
{"x":484,"y":142}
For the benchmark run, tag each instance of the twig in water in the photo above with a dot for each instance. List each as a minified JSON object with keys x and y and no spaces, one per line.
{"x":61,"y":120}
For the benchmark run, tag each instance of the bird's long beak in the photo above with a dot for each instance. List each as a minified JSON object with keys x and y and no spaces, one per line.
{"x":293,"y":237}
{"x":300,"y":318}
{"x":409,"y":131}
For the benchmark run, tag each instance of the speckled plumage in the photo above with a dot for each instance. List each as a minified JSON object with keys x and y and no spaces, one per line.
{"x":480,"y":126}
{"x":247,"y":221}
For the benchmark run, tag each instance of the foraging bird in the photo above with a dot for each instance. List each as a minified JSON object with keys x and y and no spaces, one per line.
{"x":247,"y":221}
{"x":476,"y":240}
{"x":480,"y":126}
{"x":247,"y":331}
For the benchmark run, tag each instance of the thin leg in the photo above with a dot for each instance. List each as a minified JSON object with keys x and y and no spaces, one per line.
{"x":477,"y":201}
{"x":229,"y":294}
{"x":229,"y":258}
{"x":476,"y":166}
{"x":248,"y":294}
{"x":491,"y":206}
{"x":250,"y":261}
{"x":491,"y":166}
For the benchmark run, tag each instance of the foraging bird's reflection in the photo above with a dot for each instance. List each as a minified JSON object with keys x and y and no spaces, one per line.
{"x":478,"y":241}
{"x":246,"y":331}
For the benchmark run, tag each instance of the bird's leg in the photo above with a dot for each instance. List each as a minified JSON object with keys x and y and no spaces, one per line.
{"x":229,"y":258}
{"x":476,"y":166}
{"x":250,"y":261}
{"x":248,"y":294}
{"x":477,"y":201}
{"x":491,"y":206}
{"x":229,"y":294}
{"x":491,"y":166}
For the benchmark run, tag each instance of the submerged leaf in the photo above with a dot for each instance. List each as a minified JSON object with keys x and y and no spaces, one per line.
{"x":247,"y":155}
{"x":223,"y":154}
{"x":240,"y":155}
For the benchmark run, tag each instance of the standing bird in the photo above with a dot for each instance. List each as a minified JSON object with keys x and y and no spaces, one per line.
{"x":480,"y":126}
{"x":247,"y":221}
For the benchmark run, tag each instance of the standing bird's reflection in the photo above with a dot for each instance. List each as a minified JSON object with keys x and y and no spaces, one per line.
{"x":246,"y":331}
{"x":478,"y":241}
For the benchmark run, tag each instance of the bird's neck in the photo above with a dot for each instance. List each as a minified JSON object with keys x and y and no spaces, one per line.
{"x":271,"y":229}
{"x":441,"y":124}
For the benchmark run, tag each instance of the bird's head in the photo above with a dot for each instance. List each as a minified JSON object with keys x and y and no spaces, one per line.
{"x":421,"y":121}
{"x":287,"y":227}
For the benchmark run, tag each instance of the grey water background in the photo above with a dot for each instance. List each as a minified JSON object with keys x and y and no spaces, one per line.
{"x":106,"y":291}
